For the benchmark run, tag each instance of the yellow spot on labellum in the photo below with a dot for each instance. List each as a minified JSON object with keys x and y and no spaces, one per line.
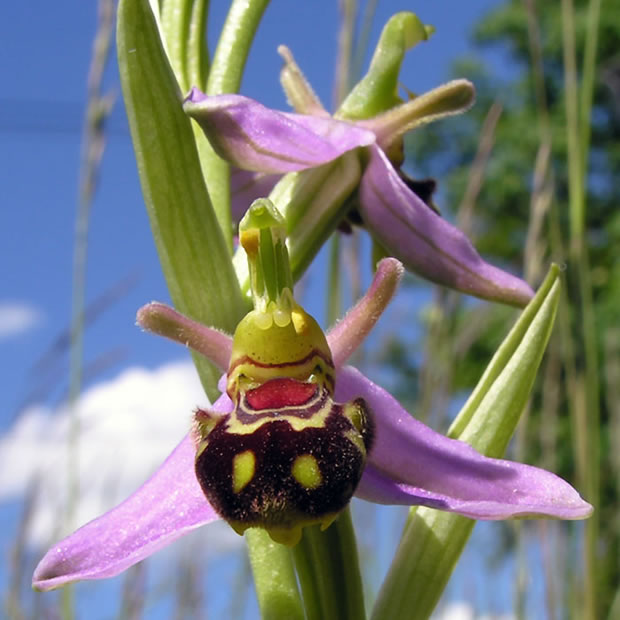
{"x":244,"y":466}
{"x":306,"y":471}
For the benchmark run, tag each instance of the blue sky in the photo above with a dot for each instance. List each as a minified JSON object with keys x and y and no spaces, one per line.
{"x":46,"y":53}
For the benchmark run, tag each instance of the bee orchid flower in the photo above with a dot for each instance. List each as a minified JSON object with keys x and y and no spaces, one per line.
{"x":295,"y":434}
{"x":351,"y":160}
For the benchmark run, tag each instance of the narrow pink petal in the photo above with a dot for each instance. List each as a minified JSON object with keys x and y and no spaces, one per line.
{"x":412,"y":464}
{"x":165,"y":321}
{"x":253,"y":137}
{"x":169,"y":505}
{"x":344,"y":337}
{"x":425,"y":242}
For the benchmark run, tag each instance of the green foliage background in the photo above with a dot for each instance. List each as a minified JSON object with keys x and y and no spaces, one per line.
{"x":520,"y":216}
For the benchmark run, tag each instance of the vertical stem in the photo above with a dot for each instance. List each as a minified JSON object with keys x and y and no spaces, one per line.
{"x":274,"y":578}
{"x":334,"y":289}
{"x":98,"y":109}
{"x":328,"y":567}
{"x":521,"y":568}
{"x":225,"y":77}
{"x":521,"y":577}
{"x":592,"y":431}
{"x":587,"y":86}
{"x":327,"y":562}
{"x":362,"y":38}
{"x":575,"y":172}
{"x":578,"y":150}
{"x":342,"y":80}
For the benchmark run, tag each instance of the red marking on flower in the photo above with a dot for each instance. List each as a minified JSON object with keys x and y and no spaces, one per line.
{"x":279,"y":393}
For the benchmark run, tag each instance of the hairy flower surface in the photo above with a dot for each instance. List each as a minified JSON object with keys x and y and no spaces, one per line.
{"x":287,"y":378}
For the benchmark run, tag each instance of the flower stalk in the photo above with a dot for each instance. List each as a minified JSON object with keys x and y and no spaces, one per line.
{"x":329,"y":573}
{"x":274,"y":577}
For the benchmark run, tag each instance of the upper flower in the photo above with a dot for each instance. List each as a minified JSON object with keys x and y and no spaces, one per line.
{"x":295,"y":434}
{"x":355,"y":156}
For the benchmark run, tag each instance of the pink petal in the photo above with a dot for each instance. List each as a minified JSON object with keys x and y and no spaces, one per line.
{"x":165,"y":321}
{"x":253,"y":137}
{"x":169,"y":505}
{"x":425,"y":242}
{"x":348,"y":333}
{"x":412,"y":464}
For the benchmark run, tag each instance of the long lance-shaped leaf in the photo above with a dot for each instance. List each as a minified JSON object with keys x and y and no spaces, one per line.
{"x":183,"y":28}
{"x":191,"y":248}
{"x":433,"y":540}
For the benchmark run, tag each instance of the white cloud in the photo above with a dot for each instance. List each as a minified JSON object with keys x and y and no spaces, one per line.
{"x":460,"y":610}
{"x":17,"y":317}
{"x":457,"y":610}
{"x":127,"y":427}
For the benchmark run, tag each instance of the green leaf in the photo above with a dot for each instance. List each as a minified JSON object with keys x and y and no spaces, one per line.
{"x":193,"y":254}
{"x":183,"y":27}
{"x":512,"y":370}
{"x":432,"y":540}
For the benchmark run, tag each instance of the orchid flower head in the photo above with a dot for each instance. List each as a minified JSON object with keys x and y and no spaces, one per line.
{"x":295,"y":434}
{"x":320,"y":167}
{"x":287,"y":455}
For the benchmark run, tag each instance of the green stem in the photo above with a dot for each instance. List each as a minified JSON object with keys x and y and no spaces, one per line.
{"x":575,"y":172}
{"x":98,"y":109}
{"x":334,"y":290}
{"x":328,"y":568}
{"x":593,"y":434}
{"x":274,"y":578}
{"x":589,"y":71}
{"x":342,"y":81}
{"x":183,"y":24}
{"x":578,"y":137}
{"x":225,"y":77}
